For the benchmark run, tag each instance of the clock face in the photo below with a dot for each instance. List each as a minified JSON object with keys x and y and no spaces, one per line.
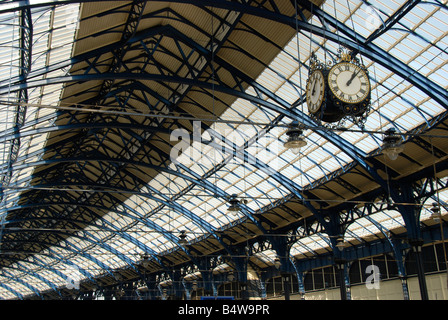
{"x":315,"y":91}
{"x":348,"y":82}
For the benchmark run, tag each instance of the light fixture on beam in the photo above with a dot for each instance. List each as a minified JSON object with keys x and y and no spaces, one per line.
{"x":436,"y":216}
{"x":277,"y":262}
{"x":340,"y":244}
{"x":295,"y":138}
{"x":145,"y":261}
{"x":234,"y":204}
{"x":183,"y":238}
{"x":392,"y":144}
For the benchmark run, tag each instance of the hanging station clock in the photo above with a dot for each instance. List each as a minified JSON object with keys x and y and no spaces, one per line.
{"x":338,"y":91}
{"x":315,"y":91}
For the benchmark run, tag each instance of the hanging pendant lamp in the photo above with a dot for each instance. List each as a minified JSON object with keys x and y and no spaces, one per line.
{"x":295,"y":138}
{"x":392,"y":145}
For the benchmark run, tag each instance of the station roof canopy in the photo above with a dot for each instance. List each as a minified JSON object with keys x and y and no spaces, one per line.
{"x":128,"y":124}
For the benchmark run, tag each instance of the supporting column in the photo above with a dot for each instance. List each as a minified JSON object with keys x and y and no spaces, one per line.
{"x":286,"y":267}
{"x":417,"y":248}
{"x":301,"y":284}
{"x":347,"y":281}
{"x":286,"y":285}
{"x":411,"y":217}
{"x":400,"y":254}
{"x":335,"y":231}
{"x":187,"y":288}
{"x":207,"y":280}
{"x":207,"y":276}
{"x":340,"y":265}
{"x":240,"y":262}
{"x":178,"y":289}
{"x":263,"y":294}
{"x":404,"y":286}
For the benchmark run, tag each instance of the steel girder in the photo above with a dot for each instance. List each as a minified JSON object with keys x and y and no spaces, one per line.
{"x":194,"y":178}
{"x":106,"y":225}
{"x":122,"y":190}
{"x":25,"y":52}
{"x":56,"y":256}
{"x":114,"y":230}
{"x":24,"y":269}
{"x":351,"y":151}
{"x":72,"y":247}
{"x":282,"y":180}
{"x":26,"y":45}
{"x":10,"y":276}
{"x":17,"y":294}
{"x":281,"y":108}
{"x":190,"y":82}
{"x":202,"y":224}
{"x":353,"y":41}
{"x":215,"y":87}
{"x":137,"y":217}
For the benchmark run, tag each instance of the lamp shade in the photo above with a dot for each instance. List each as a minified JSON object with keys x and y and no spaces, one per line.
{"x":234,"y":204}
{"x":392,"y":145}
{"x":340,"y":244}
{"x":277,"y":263}
{"x":435,"y":215}
{"x":295,"y":139}
{"x":183,"y":238}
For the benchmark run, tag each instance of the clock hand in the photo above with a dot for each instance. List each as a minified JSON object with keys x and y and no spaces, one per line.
{"x":314,"y":89}
{"x":349,"y":82}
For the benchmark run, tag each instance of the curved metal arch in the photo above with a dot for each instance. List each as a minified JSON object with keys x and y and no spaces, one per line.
{"x":196,"y":178}
{"x":275,"y":107}
{"x":354,"y":41}
{"x":154,"y":226}
{"x":151,"y":77}
{"x":45,"y":265}
{"x":241,"y":154}
{"x":165,"y":202}
{"x":176,"y":207}
{"x":200,"y":223}
{"x":349,"y":149}
{"x":24,"y":269}
{"x":139,"y":219}
{"x":17,"y":294}
{"x":116,"y":233}
{"x":24,"y":283}
{"x":77,"y":250}
{"x":170,"y":30}
{"x":58,"y":259}
{"x":8,"y":135}
{"x":116,"y":230}
{"x":212,"y":187}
